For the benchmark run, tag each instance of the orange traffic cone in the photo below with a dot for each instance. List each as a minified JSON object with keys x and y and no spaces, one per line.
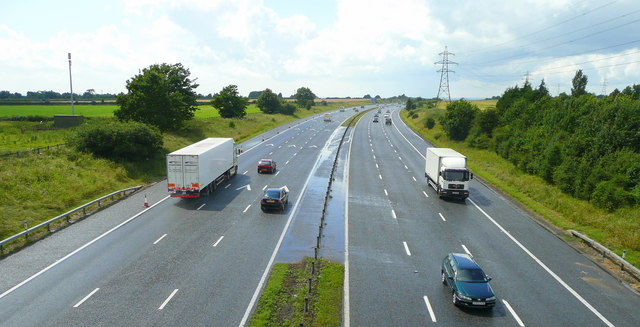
{"x":146,"y":203}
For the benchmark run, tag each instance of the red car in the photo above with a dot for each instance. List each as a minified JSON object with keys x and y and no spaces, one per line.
{"x":266,"y":166}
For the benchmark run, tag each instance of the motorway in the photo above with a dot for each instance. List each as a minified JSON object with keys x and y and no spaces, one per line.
{"x":203,"y":262}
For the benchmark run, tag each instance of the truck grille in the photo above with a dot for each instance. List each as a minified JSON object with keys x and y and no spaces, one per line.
{"x":456,"y":186}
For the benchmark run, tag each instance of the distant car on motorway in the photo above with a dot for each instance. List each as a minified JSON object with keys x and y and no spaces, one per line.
{"x":266,"y":166}
{"x":375,"y":119}
{"x":275,"y":198}
{"x":467,"y":281}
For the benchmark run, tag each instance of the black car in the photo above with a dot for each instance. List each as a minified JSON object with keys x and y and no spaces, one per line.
{"x":468,"y":283}
{"x":275,"y":198}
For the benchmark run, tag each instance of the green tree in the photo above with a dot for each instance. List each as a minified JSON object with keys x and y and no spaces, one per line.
{"x":287,"y":108}
{"x":410,"y":105}
{"x":229,"y":103}
{"x":268,"y":102}
{"x":254,"y":94}
{"x":366,"y":96}
{"x":458,"y":119}
{"x":304,"y":97}
{"x":579,"y":84}
{"x":162,"y":95}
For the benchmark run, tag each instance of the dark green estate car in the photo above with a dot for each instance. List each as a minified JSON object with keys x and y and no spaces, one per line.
{"x":468,"y":283}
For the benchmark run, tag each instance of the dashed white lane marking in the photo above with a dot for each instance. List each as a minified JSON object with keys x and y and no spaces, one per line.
{"x":385,"y":192}
{"x":245,"y":172}
{"x":547,"y":269}
{"x":441,"y":216}
{"x":467,"y":250}
{"x":405,"y":167}
{"x":426,"y":302}
{"x":218,"y":241}
{"x":425,"y":193}
{"x":270,"y":153}
{"x":86,"y":298}
{"x":168,"y":299}
{"x":513,"y":313}
{"x":248,"y":187}
{"x":406,"y":248}
{"x":227,"y":185}
{"x":393,"y":214}
{"x":280,"y":146}
{"x":377,"y":166}
{"x":286,"y":163}
{"x":277,"y":172}
{"x":399,"y":158}
{"x":414,"y":178}
{"x":245,"y":209}
{"x":379,"y":176}
{"x":160,"y":239}
{"x":200,"y":207}
{"x":264,"y":187}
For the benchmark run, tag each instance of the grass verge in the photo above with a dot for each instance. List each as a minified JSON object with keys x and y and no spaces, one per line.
{"x":617,"y":230}
{"x":283,"y":298}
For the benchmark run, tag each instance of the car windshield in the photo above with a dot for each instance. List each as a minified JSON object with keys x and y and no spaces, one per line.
{"x":471,"y":276}
{"x":455,"y":175}
{"x":265,"y":162}
{"x":272,"y":194}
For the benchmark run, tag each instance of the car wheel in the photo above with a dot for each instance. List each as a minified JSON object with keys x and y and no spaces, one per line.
{"x":444,"y":281}
{"x":258,"y":171}
{"x":263,"y":209}
{"x":454,"y":298}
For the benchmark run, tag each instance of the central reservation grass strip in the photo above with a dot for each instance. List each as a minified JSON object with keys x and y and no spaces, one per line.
{"x":617,"y":230}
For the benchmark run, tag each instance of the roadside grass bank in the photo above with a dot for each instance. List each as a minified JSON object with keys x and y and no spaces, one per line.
{"x":283,"y":297}
{"x":357,"y":118}
{"x":38,"y":187}
{"x":617,"y":230}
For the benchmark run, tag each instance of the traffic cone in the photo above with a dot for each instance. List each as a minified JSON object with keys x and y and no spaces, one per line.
{"x":146,"y":203}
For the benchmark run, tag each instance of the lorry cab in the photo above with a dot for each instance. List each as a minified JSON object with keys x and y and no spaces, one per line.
{"x":327,"y":117}
{"x":446,"y":171}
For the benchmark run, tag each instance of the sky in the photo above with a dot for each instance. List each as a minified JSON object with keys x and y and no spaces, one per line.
{"x":337,"y":48}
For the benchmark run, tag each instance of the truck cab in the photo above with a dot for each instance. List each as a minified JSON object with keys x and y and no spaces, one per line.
{"x":327,"y":117}
{"x":446,"y":171}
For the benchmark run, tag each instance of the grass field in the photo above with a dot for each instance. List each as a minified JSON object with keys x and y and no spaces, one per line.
{"x":617,"y":230}
{"x":204,"y":110}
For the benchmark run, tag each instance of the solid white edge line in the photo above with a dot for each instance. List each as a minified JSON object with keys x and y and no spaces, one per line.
{"x":254,"y":297}
{"x":396,"y":127}
{"x":426,"y":301}
{"x":393,"y":214}
{"x":425,"y":193}
{"x":467,"y":250}
{"x":80,"y":249}
{"x":218,"y":241}
{"x":245,"y":209}
{"x":86,"y":298}
{"x":441,"y":216}
{"x":168,"y":299}
{"x":346,"y":301}
{"x":547,"y":269}
{"x":513,"y":313}
{"x":406,"y":248}
{"x":160,"y":239}
{"x":200,"y":207}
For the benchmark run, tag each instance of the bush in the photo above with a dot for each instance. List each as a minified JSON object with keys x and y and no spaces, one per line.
{"x":288,"y":108}
{"x":414,"y":115}
{"x":232,"y":124}
{"x":429,"y":123}
{"x":610,"y":195}
{"x":118,"y":141}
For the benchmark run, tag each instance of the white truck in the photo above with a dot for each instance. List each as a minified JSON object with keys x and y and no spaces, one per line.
{"x":446,"y":171}
{"x":327,"y":117}
{"x":199,"y":168}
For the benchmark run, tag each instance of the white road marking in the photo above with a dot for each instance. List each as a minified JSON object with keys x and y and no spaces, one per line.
{"x":277,"y":172}
{"x":405,"y":167}
{"x":158,"y":240}
{"x":406,"y":248}
{"x":374,"y":157}
{"x":393,"y":214}
{"x":270,"y":144}
{"x":279,"y":146}
{"x":400,"y":158}
{"x":513,"y":313}
{"x":85,"y":298}
{"x":425,"y":193}
{"x":264,"y":187}
{"x":539,"y":262}
{"x":270,"y":153}
{"x":385,"y":192}
{"x":9,"y":291}
{"x":467,"y":250}
{"x":245,"y":209}
{"x":414,"y":178}
{"x":426,"y":301}
{"x":200,"y":207}
{"x":286,"y":163}
{"x":245,"y":172}
{"x":227,"y":185}
{"x":346,"y":313}
{"x":441,"y":216}
{"x":248,"y":186}
{"x":377,"y":166}
{"x":218,"y":241}
{"x":379,"y":176}
{"x":168,"y":299}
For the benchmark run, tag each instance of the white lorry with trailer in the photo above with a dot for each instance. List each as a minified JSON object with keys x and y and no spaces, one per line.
{"x":199,"y":168}
{"x":446,"y":171}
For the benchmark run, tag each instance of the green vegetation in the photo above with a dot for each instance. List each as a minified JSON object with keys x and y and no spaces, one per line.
{"x":616,"y":229}
{"x":282,"y":300}
{"x":305,"y":98}
{"x":58,"y":109}
{"x":129,"y":141}
{"x":229,"y":102}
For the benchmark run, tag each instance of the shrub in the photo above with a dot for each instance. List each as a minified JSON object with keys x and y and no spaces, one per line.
{"x":610,"y":195}
{"x":414,"y":115}
{"x":118,"y":141}
{"x":429,"y":123}
{"x":232,"y":124}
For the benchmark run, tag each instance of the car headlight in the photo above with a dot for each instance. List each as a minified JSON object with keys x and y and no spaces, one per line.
{"x":491,"y":298}
{"x":464,"y":297}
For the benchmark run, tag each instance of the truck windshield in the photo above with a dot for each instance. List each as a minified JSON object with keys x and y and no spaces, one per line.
{"x":455,"y":175}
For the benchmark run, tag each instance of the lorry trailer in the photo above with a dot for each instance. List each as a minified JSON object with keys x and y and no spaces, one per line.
{"x":446,"y":171}
{"x":199,"y":168}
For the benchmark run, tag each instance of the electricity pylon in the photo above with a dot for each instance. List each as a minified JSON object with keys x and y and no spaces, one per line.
{"x":444,"y":74}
